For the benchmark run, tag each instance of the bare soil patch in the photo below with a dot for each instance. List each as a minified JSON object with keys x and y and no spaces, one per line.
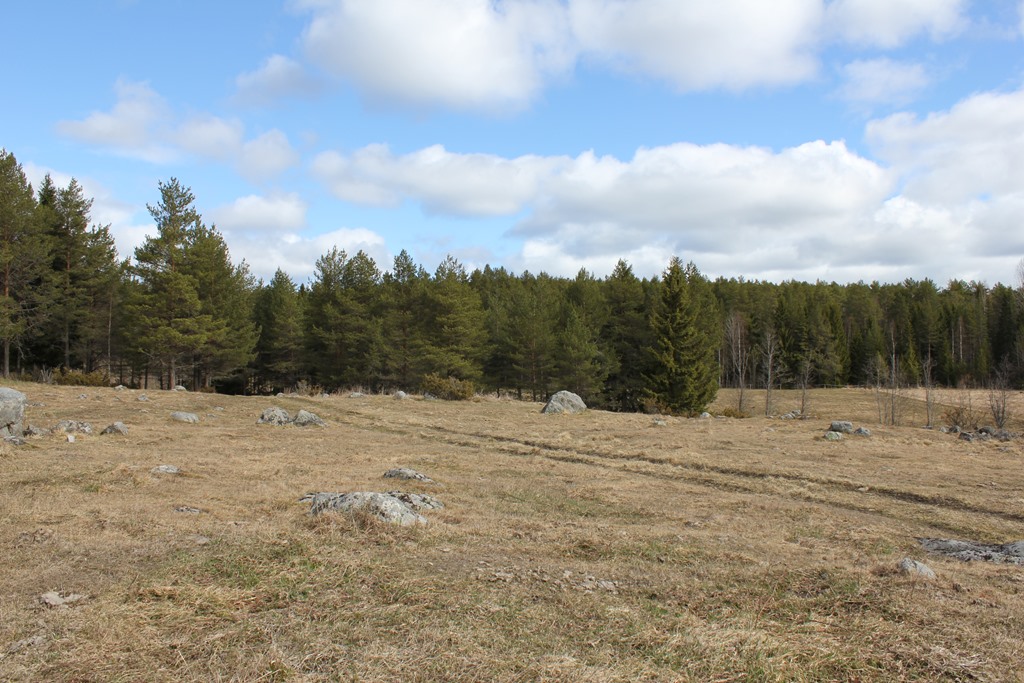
{"x":590,"y":547}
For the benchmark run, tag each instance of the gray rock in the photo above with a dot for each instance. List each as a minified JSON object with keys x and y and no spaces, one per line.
{"x":116,"y":428}
{"x":166,"y":469}
{"x":188,"y":510}
{"x":833,"y":436}
{"x":71,"y":438}
{"x":705,"y":415}
{"x":660,"y":422}
{"x":12,"y":412}
{"x":15,"y":440}
{"x":401,"y":395}
{"x":862,"y":431}
{"x":55,"y":599}
{"x":967,"y":436}
{"x":178,"y":387}
{"x":969,"y":551}
{"x":143,"y":398}
{"x":25,"y":643}
{"x":417,"y":501}
{"x":83,"y":396}
{"x":914,"y":568}
{"x":274,"y":416}
{"x":564,"y":402}
{"x":408,"y":474}
{"x":120,"y":387}
{"x":73,"y":427}
{"x":304,"y":418}
{"x":841,"y":426}
{"x":181,"y":416}
{"x":357,"y":394}
{"x":32,"y":430}
{"x":382,"y":506}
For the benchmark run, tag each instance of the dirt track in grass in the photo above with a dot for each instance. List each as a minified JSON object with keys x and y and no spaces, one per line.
{"x":596,"y":547}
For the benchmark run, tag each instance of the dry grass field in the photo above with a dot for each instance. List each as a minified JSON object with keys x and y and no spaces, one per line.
{"x":596,"y":547}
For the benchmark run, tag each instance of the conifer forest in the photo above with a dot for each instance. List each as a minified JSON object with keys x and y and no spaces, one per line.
{"x":180,"y":311}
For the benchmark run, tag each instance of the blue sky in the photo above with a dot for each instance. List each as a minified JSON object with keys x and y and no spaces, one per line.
{"x":796,"y":139}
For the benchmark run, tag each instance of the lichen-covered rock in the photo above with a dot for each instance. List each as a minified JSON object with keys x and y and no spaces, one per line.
{"x":862,"y":431}
{"x":274,"y":416}
{"x":406,"y":473}
{"x":382,"y":506}
{"x":969,"y":551}
{"x":841,"y":426}
{"x":73,"y":427}
{"x":116,"y":428}
{"x":564,"y":402}
{"x":833,"y":436}
{"x":166,"y":469}
{"x":417,"y":501}
{"x":142,"y":397}
{"x":400,"y":395}
{"x":179,"y":387}
{"x":188,"y":418}
{"x":12,"y":412}
{"x":304,"y":418}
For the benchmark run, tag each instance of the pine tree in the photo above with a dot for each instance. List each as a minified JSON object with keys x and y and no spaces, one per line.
{"x":684,"y":378}
{"x":627,"y":333}
{"x":403,"y":293}
{"x":455,"y":337}
{"x":24,"y":255}
{"x":278,"y":317}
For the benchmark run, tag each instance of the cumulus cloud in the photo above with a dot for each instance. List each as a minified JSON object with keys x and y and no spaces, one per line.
{"x":142,"y":125}
{"x":972,"y":150}
{"x":296,"y":254}
{"x":472,"y":54}
{"x":130,"y":128}
{"x":279,"y":77}
{"x":891,"y":23}
{"x":283,"y":213}
{"x":731,"y":43}
{"x":882,"y":81}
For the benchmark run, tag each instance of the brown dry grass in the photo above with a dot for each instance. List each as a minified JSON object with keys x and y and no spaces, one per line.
{"x":597,"y":547}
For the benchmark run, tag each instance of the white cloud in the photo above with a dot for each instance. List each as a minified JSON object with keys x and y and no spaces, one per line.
{"x":130,"y":127}
{"x":279,"y":77}
{"x":296,"y":254}
{"x":730,"y":43}
{"x":972,"y":150}
{"x":267,"y":156}
{"x":283,"y":213}
{"x":891,"y":23}
{"x":882,"y":81}
{"x":442,"y":181}
{"x":471,"y":54}
{"x":142,"y":125}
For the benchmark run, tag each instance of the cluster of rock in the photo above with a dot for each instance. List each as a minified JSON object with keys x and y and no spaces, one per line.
{"x":280,"y":417}
{"x":969,"y":551}
{"x":983,"y":434}
{"x":564,"y":402}
{"x":838,"y":428}
{"x":393,"y":507}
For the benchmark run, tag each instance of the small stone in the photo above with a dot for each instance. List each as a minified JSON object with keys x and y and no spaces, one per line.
{"x":188,"y":510}
{"x":71,"y":438}
{"x":400,"y":395}
{"x":407,"y":473}
{"x":116,"y":428}
{"x":862,"y":431}
{"x":25,"y":643}
{"x":304,"y":418}
{"x":911,"y":567}
{"x":188,"y":418}
{"x":357,"y":394}
{"x":54,"y":599}
{"x":165,"y":469}
{"x":142,"y":397}
{"x":833,"y":436}
{"x":83,"y":396}
{"x":179,"y":387}
{"x":705,"y":415}
{"x":120,"y":387}
{"x":73,"y":427}
{"x":660,"y":422}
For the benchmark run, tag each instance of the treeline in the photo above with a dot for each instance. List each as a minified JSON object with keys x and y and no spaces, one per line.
{"x":180,"y":311}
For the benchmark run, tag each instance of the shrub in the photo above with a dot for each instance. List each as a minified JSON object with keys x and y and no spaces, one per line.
{"x":447,"y":388}
{"x":78,"y":378}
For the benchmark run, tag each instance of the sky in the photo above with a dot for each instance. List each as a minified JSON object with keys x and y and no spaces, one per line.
{"x":840,"y":140}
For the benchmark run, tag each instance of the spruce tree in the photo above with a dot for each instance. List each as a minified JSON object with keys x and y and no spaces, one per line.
{"x":684,"y":376}
{"x":278,"y":317}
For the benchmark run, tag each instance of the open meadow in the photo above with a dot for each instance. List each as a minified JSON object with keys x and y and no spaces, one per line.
{"x":591,"y":547}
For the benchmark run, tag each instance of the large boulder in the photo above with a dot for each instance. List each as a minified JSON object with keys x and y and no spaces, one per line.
{"x":565,"y":402}
{"x":841,"y":426}
{"x":382,"y":506}
{"x":304,"y":418}
{"x":274,"y":416}
{"x":12,"y":412}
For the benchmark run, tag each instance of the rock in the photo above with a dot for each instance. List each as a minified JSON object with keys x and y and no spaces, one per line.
{"x":660,"y":422}
{"x":71,"y":438}
{"x":862,"y":431}
{"x":967,"y":436}
{"x":116,"y":428}
{"x":969,"y":551}
{"x":178,"y":387}
{"x":705,"y":415}
{"x":189,"y":418}
{"x":274,"y":416}
{"x":841,"y":426}
{"x":408,"y":474}
{"x":54,"y":599}
{"x":833,"y":436}
{"x":120,"y":387}
{"x":12,"y":412}
{"x":15,"y":440}
{"x":165,"y":469}
{"x":25,"y":643}
{"x":357,"y":394}
{"x":32,"y":430}
{"x":82,"y":397}
{"x":427,"y":396}
{"x":187,"y":510}
{"x":73,"y":427}
{"x":383,"y":506}
{"x":916,"y":569}
{"x":304,"y":418}
{"x":417,"y":501}
{"x":143,"y":398}
{"x":401,"y":395}
{"x":564,"y":402}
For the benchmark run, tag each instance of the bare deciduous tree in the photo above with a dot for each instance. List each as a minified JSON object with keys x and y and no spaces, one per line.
{"x":770,"y":348}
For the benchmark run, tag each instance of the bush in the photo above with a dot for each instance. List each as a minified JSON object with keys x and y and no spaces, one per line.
{"x":78,"y":378}
{"x":448,"y":388}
